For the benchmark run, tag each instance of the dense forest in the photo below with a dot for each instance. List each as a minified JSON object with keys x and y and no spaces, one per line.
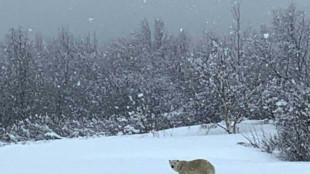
{"x":151,"y":80}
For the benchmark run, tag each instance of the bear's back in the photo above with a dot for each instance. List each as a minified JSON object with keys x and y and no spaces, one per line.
{"x":199,"y":166}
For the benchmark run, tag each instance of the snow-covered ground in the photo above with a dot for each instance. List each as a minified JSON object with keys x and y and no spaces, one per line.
{"x":141,"y":154}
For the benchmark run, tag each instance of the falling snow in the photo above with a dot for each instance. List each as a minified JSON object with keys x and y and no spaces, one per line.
{"x":90,"y":20}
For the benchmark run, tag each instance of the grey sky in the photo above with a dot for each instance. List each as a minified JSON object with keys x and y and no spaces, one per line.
{"x":112,"y":18}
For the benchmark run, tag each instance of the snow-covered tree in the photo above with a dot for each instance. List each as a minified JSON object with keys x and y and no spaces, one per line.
{"x":230,"y":75}
{"x":290,"y":66}
{"x":19,"y":71}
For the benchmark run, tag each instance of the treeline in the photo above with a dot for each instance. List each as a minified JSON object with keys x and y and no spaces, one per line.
{"x":151,"y":80}
{"x":74,"y":87}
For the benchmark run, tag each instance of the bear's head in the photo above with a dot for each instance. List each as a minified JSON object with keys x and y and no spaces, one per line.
{"x":174,"y":164}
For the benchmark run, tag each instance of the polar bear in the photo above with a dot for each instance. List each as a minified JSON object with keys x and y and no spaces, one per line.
{"x":198,"y":166}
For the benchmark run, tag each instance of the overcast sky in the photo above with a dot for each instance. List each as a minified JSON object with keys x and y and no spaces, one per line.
{"x":112,"y":18}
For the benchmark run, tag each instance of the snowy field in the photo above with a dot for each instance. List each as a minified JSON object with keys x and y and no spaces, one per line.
{"x":145,"y":154}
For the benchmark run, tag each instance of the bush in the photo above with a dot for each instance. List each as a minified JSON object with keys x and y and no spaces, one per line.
{"x":293,"y":122}
{"x":266,"y":142}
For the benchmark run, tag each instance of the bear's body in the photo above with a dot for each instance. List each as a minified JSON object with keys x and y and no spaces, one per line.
{"x":199,"y":166}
